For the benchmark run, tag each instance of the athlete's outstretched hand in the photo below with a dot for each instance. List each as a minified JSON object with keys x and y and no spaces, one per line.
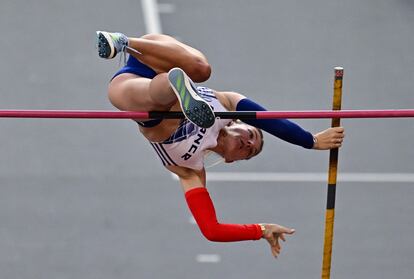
{"x":272,"y":234}
{"x":329,"y":138}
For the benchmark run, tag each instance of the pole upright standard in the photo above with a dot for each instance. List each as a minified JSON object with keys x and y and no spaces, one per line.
{"x":333,"y":170}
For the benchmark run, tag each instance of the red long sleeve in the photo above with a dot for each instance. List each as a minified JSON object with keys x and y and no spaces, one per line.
{"x":202,"y":208}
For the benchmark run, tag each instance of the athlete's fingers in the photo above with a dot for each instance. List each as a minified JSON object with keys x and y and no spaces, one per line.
{"x":272,"y":241}
{"x":276,"y":249}
{"x":277,"y":243}
{"x":286,"y":230}
{"x":339,"y":135}
{"x":339,"y":129}
{"x":273,"y":250}
{"x":275,"y":253}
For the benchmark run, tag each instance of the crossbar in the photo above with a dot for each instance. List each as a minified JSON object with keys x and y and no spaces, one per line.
{"x":308,"y":114}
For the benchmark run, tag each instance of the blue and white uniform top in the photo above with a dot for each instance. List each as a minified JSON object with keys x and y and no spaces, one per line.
{"x":188,"y":145}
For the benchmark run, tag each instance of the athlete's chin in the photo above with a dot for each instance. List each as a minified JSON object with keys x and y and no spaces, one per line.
{"x":231,"y":159}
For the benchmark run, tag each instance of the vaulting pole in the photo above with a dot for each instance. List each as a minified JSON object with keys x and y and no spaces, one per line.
{"x":333,"y":167}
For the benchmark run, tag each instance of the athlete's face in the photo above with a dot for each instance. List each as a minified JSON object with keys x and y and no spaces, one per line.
{"x":241,"y":141}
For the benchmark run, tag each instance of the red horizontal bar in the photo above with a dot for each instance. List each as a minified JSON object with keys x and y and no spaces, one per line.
{"x":315,"y":114}
{"x":336,"y":114}
{"x":88,"y":114}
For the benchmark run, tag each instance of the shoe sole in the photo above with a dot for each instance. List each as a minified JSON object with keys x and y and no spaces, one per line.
{"x":106,"y":48}
{"x":195,"y":109}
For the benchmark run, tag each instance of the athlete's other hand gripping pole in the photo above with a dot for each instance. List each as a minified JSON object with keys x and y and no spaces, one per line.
{"x":333,"y":164}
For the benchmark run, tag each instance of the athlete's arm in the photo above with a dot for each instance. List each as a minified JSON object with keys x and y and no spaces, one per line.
{"x":283,"y":128}
{"x":202,"y":208}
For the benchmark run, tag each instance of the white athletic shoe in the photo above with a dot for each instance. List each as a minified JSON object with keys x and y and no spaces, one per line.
{"x":109,"y":44}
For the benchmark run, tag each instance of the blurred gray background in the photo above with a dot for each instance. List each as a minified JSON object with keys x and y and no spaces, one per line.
{"x":88,"y":198}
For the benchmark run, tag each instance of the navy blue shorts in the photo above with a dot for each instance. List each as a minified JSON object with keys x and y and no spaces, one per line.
{"x":134,"y":66}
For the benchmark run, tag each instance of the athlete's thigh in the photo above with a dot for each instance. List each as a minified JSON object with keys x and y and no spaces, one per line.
{"x":130,"y":92}
{"x":166,"y":38}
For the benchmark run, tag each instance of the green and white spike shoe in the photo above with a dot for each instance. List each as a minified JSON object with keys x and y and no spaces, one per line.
{"x":195,"y":108}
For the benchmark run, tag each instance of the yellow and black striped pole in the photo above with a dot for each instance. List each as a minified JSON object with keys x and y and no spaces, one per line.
{"x":333,"y":166}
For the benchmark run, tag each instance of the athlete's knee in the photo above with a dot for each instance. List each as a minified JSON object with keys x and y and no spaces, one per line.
{"x":193,"y":61}
{"x":115,"y":95}
{"x":120,"y":90}
{"x":200,"y":70}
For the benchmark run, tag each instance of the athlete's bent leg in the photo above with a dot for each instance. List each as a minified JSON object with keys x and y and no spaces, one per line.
{"x":159,"y":52}
{"x":133,"y":93}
